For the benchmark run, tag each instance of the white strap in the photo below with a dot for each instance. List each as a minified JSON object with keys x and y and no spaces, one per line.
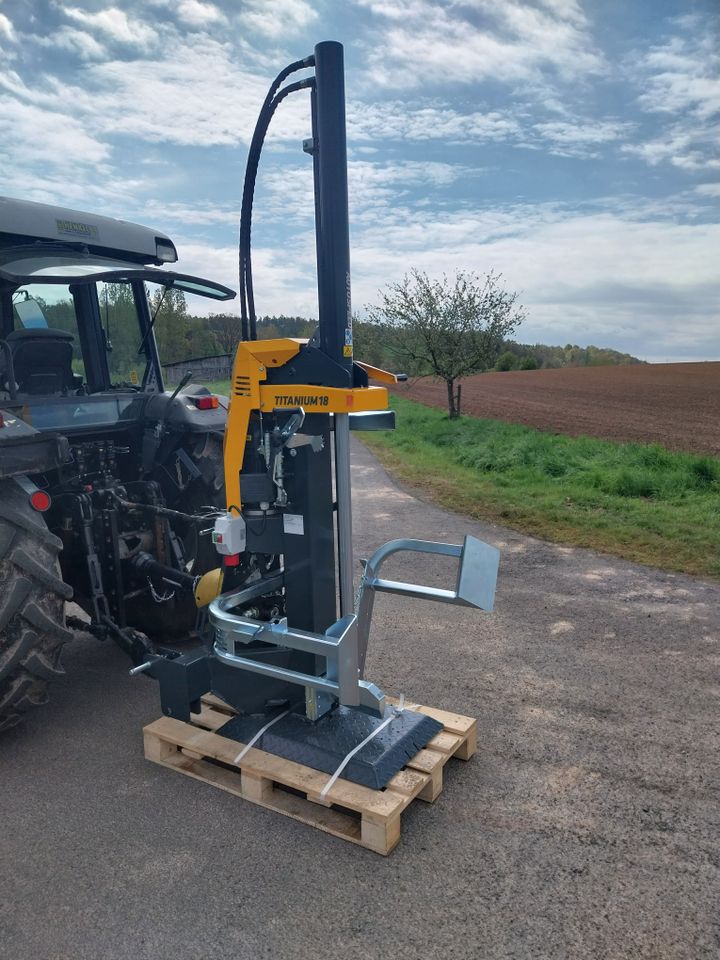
{"x":260,"y":732}
{"x":394,"y":712}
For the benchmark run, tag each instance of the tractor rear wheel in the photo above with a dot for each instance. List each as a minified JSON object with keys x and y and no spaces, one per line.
{"x":170,"y":623}
{"x":32,"y":606}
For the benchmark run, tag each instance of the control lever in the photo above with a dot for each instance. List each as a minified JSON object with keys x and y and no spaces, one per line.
{"x":304,"y":440}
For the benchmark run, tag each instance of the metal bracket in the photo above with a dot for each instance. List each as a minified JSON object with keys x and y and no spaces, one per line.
{"x":338,"y":645}
{"x":475,"y":585}
{"x":344,"y":644}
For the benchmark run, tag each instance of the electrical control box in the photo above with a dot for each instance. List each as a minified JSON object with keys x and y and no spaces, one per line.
{"x":229,"y":535}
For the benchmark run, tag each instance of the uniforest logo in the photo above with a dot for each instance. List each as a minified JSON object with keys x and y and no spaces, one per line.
{"x":282,"y":400}
{"x":76,"y":229}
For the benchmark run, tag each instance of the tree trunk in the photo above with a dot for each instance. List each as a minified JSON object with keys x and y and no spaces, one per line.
{"x":452,"y":409}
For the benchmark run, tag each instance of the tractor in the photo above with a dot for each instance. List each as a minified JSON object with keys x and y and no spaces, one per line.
{"x":109,"y":483}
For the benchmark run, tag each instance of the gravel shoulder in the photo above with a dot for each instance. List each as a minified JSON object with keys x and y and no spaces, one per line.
{"x":587,"y":826}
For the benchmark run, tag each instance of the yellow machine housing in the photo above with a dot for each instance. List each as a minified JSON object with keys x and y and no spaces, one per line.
{"x":249,"y":393}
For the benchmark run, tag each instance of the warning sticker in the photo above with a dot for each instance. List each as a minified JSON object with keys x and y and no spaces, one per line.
{"x":293,"y":523}
{"x":347,"y":350}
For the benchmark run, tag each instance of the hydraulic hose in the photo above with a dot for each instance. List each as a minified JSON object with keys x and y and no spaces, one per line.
{"x":270,"y":104}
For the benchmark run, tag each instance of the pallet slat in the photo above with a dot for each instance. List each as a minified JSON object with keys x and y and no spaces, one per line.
{"x":370,"y":818}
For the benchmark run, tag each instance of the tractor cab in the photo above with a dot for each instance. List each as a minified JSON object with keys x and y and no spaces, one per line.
{"x":105,"y":478}
{"x":76,"y":323}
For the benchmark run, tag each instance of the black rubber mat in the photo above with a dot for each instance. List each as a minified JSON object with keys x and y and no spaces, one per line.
{"x":324,"y":744}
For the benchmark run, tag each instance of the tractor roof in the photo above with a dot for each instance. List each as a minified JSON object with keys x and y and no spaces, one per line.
{"x":54,"y":263}
{"x":24,"y":221}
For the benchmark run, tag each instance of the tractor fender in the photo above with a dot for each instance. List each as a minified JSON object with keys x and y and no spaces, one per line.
{"x":182,"y":413}
{"x":23,"y":449}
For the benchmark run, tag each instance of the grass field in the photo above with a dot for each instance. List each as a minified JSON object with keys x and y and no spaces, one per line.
{"x":674,"y":404}
{"x":638,"y":501}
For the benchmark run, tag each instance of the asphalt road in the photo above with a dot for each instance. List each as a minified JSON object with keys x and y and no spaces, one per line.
{"x":585,"y":827}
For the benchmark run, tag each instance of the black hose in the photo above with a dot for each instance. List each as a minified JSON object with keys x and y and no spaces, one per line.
{"x":270,"y":104}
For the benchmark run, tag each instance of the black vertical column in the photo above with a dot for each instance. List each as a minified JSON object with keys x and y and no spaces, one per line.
{"x":335,"y":310}
{"x":334,"y":307}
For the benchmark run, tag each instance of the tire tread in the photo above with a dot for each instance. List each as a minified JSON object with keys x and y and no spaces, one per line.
{"x":32,"y":606}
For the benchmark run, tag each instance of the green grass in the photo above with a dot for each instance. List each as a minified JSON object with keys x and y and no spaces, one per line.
{"x":219,"y":386}
{"x":638,"y":501}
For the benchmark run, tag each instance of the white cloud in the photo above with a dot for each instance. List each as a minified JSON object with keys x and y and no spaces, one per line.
{"x":683,"y":75}
{"x":685,"y":145}
{"x":375,"y":189}
{"x":577,"y":138}
{"x":283,"y":283}
{"x":681,"y":79}
{"x":502,"y":40}
{"x":32,"y":135}
{"x":198,"y":14}
{"x":75,"y":41}
{"x":197,"y":214}
{"x":115,"y":25}
{"x":6,"y":28}
{"x":649,"y":286}
{"x":198,"y":95}
{"x":638,"y":283}
{"x":279,"y":18}
{"x":708,"y":189}
{"x":397,"y":120}
{"x":112,"y":134}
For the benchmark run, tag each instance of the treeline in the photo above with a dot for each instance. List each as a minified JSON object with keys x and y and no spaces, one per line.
{"x":540,"y":356}
{"x":182,"y":336}
{"x":369,"y":346}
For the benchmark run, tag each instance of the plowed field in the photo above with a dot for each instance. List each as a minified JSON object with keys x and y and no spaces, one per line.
{"x":675,"y":404}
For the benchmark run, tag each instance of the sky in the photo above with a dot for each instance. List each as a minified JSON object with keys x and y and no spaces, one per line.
{"x":570,"y":146}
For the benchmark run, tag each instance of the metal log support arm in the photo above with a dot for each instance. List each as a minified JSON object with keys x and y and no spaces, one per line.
{"x":344,"y":644}
{"x":475,"y":584}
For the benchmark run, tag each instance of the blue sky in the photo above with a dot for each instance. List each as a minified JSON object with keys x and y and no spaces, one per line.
{"x":572,"y":146}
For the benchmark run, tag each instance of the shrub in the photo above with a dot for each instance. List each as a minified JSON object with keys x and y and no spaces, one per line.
{"x":506,"y":361}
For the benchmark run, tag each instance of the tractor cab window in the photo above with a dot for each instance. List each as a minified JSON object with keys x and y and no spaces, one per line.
{"x":45,"y":344}
{"x":181,"y":327}
{"x":119,"y":318}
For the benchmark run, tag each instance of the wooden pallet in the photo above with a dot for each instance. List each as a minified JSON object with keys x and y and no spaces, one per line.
{"x":370,"y":818}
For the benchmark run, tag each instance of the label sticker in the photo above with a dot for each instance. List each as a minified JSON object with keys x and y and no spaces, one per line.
{"x":348,"y":338}
{"x":293,"y":523}
{"x":347,"y":350}
{"x":74,"y":228}
{"x":134,"y":377}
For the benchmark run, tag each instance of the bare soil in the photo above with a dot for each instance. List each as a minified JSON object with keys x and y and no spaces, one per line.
{"x":674,"y":404}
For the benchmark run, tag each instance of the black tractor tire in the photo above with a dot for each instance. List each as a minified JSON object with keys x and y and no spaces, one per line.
{"x":207,"y":490}
{"x":32,"y":606}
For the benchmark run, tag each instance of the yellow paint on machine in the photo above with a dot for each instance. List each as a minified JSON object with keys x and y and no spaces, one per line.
{"x":208,"y":587}
{"x":315,"y":399}
{"x":248,"y":393}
